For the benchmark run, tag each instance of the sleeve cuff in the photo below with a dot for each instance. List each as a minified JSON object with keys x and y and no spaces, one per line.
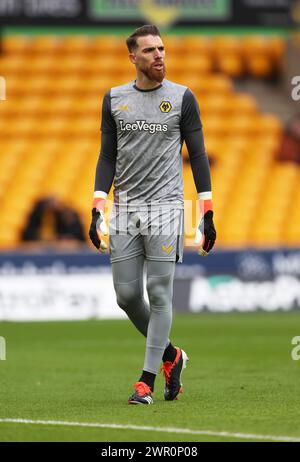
{"x":100,"y":195}
{"x":206,"y":195}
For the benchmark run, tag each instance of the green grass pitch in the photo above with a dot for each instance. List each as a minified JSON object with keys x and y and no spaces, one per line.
{"x":240,"y":379}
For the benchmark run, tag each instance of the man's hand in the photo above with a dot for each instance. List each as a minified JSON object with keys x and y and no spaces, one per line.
{"x":97,"y":229}
{"x":205,"y":232}
{"x":98,"y":225}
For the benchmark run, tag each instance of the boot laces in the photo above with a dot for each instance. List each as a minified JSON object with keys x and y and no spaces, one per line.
{"x":166,"y":368}
{"x":142,"y":388}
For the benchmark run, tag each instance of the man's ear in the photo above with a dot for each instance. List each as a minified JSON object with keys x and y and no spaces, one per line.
{"x":132,"y":58}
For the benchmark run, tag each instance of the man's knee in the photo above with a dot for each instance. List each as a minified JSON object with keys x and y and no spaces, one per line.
{"x":160,"y":290}
{"x":127,"y":295}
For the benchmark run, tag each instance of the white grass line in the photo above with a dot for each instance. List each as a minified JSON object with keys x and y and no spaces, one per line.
{"x":183,"y":431}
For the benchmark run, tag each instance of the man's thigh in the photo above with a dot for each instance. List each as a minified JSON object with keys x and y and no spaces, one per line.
{"x":163,"y":235}
{"x":125,"y":240}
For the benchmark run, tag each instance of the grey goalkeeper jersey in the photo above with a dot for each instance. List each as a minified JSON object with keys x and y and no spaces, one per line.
{"x":147,"y":129}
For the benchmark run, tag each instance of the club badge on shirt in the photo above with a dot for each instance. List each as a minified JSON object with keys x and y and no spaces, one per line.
{"x":165,"y":106}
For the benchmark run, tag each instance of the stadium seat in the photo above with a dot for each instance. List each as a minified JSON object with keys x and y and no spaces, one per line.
{"x":226,"y":45}
{"x":231,"y":65}
{"x":270,"y":124}
{"x":108,"y":45}
{"x":275,"y":202}
{"x":16,"y":45}
{"x":227,"y":55}
{"x":259,"y":66}
{"x":195,"y":45}
{"x":74,"y":45}
{"x":258,"y":55}
{"x":214,"y":104}
{"x":12,"y":64}
{"x":45,"y":45}
{"x":196,"y":65}
{"x":174,"y":46}
{"x":243,"y":103}
{"x":255,"y":45}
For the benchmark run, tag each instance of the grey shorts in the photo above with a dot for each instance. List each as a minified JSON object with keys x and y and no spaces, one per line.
{"x":156,"y":234}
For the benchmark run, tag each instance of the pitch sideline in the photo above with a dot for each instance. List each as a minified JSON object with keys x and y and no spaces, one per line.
{"x":185,"y":431}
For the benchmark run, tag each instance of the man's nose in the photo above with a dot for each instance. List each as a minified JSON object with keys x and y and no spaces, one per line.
{"x":157,"y":53}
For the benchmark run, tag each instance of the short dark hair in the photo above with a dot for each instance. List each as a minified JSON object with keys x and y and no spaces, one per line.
{"x":148,"y":29}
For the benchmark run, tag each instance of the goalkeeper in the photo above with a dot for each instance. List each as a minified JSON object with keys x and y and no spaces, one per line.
{"x":144,"y":124}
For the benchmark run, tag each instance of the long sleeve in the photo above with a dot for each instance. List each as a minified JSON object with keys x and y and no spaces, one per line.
{"x":106,"y":166}
{"x":192,"y":133}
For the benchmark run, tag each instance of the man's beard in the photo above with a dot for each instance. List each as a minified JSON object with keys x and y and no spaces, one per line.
{"x":155,"y":74}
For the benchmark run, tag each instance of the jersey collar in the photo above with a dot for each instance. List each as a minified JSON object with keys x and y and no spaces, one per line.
{"x":146,"y":91}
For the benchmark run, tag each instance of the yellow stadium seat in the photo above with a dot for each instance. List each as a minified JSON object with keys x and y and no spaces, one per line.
{"x":195,"y":65}
{"x":215,"y":104}
{"x":260,"y":66}
{"x":42,"y":64}
{"x":255,"y":45}
{"x":30,"y":106}
{"x":227,"y":54}
{"x":231,"y":65}
{"x":96,"y":85}
{"x":14,"y":45}
{"x":74,"y":44}
{"x":13,"y":64}
{"x":243,"y":103}
{"x":213,"y":145}
{"x":174,"y":46}
{"x":238,"y":142}
{"x":40,"y":84}
{"x":259,"y":55}
{"x":274,"y":203}
{"x":242,"y":124}
{"x":44,"y":45}
{"x":69,"y":84}
{"x":71,"y":64}
{"x":212,"y":125}
{"x":268,"y":124}
{"x":220,"y":84}
{"x":8,"y":238}
{"x":226,"y":44}
{"x":197,"y":45}
{"x":64,"y":105}
{"x":108,"y":45}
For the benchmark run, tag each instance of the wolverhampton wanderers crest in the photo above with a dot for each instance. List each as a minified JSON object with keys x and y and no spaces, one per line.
{"x":165,"y":106}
